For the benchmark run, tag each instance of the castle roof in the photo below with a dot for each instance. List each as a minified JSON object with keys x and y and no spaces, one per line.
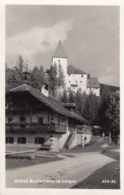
{"x":72,"y":70}
{"x":93,"y":83}
{"x":60,"y":52}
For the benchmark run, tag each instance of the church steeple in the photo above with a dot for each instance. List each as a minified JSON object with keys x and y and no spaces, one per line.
{"x":60,"y":52}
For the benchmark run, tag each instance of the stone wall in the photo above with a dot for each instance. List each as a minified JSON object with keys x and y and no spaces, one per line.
{"x":84,"y":137}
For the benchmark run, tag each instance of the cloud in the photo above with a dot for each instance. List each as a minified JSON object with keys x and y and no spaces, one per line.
{"x":36,"y":40}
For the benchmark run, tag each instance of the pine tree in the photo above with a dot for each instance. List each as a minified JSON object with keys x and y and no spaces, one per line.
{"x":64,"y":97}
{"x":103,"y":106}
{"x":78,"y":101}
{"x":71,"y":97}
{"x":113,"y":113}
{"x":61,"y":80}
{"x":52,"y":76}
{"x":41,"y":77}
{"x":34,"y":78}
{"x":19,"y":68}
{"x":90,"y":108}
{"x":15,"y":77}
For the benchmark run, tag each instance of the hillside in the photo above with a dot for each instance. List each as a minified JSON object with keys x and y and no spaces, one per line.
{"x":112,"y":88}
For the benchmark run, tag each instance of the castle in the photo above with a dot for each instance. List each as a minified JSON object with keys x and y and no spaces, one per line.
{"x":75,"y":79}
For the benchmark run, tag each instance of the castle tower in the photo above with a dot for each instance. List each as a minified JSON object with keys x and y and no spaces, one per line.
{"x":60,"y":57}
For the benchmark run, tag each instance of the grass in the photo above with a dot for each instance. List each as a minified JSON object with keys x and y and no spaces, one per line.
{"x":12,"y":163}
{"x":20,"y":148}
{"x":95,"y":147}
{"x":109,"y":173}
{"x":111,"y":154}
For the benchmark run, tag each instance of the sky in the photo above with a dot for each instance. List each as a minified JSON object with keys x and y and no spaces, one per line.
{"x":89,"y":34}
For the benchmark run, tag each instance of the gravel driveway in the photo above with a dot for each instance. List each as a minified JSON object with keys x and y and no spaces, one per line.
{"x":59,"y":174}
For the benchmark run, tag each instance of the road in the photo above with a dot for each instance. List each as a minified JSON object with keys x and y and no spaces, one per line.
{"x":59,"y":174}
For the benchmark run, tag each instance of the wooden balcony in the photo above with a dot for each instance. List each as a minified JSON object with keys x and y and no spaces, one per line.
{"x":36,"y":128}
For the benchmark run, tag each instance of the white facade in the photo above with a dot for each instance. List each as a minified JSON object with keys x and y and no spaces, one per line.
{"x":63,"y":62}
{"x":76,"y":82}
{"x":95,"y":91}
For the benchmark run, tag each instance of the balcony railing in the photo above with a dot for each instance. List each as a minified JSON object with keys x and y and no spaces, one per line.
{"x":36,"y":127}
{"x":83,"y":129}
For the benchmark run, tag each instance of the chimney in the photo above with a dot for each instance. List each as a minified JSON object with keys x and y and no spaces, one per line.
{"x":45,"y":90}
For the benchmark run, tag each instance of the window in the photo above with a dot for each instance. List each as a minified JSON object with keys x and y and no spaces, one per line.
{"x":68,"y":88}
{"x":68,"y":74}
{"x":40,"y":120}
{"x":69,"y":81}
{"x":73,"y":75}
{"x":21,"y":140}
{"x":10,"y":119}
{"x":39,"y":140}
{"x":9,"y":140}
{"x":80,"y":81}
{"x":22,"y":119}
{"x":76,"y":81}
{"x":73,"y":87}
{"x":82,"y":75}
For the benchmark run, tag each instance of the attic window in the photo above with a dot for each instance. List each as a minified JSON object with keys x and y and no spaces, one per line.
{"x":76,"y":71}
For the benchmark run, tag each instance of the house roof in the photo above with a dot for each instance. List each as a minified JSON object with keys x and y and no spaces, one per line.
{"x":93,"y":83}
{"x":60,"y":52}
{"x":79,"y":116}
{"x":53,"y":103}
{"x":72,"y":70}
{"x":68,"y":104}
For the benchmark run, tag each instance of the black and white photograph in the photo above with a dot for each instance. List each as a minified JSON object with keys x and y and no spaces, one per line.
{"x":62,"y":96}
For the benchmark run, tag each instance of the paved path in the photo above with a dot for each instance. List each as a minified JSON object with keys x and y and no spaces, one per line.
{"x":60,"y":174}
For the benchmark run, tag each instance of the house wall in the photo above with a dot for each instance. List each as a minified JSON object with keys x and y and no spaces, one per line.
{"x":95,"y":91}
{"x":27,"y":115}
{"x":30,"y":137}
{"x":76,"y":79}
{"x":87,"y":135}
{"x":44,"y":114}
{"x":81,"y":82}
{"x":58,"y":91}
